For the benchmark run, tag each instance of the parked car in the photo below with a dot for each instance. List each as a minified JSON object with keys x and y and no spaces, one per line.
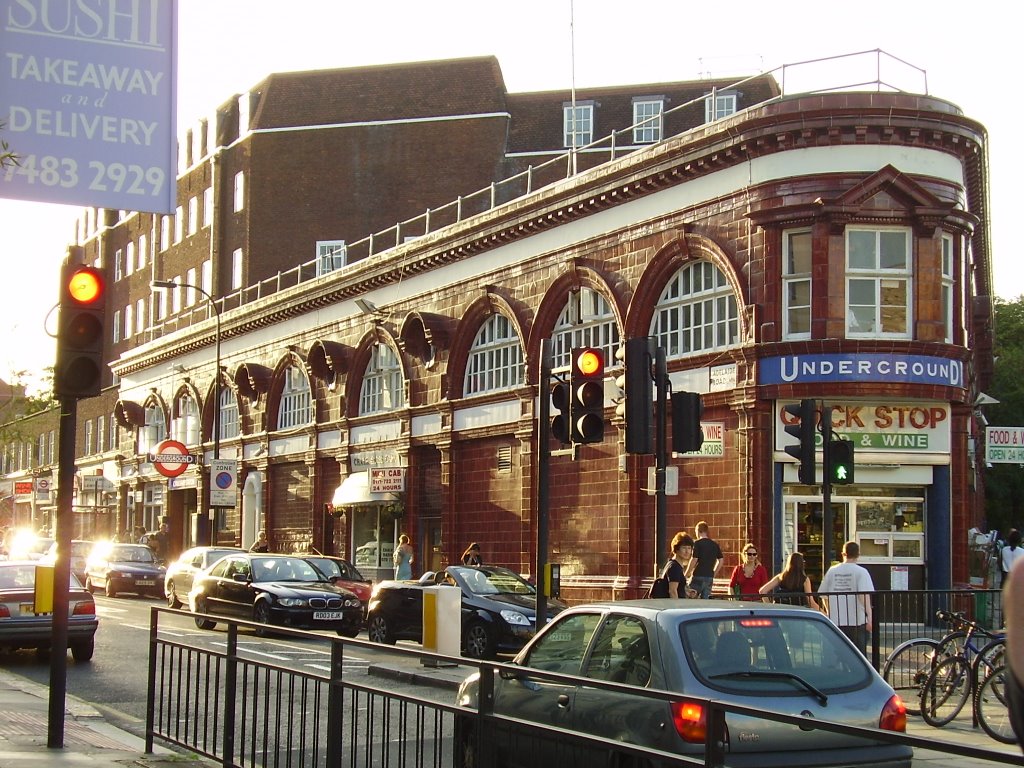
{"x":498,"y":609}
{"x":117,"y":568}
{"x":181,"y":573}
{"x":340,"y":571}
{"x":273,"y":589}
{"x":80,"y":549}
{"x":776,"y":658}
{"x":22,"y":627}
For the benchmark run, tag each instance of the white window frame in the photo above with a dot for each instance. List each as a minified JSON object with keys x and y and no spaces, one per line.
{"x":186,"y":426}
{"x":128,"y":327}
{"x":495,"y":360}
{"x":88,"y":438}
{"x":237,"y":262}
{"x":207,"y":207}
{"x":116,"y":338}
{"x":797,"y":287}
{"x":881,"y":279}
{"x":647,"y":119}
{"x":239,"y":192}
{"x":143,"y":250}
{"x":140,"y":316}
{"x":176,"y":295}
{"x":719,"y":104}
{"x":697,"y":312}
{"x":331,"y":255}
{"x":193,"y":215}
{"x":129,"y":258}
{"x":948,"y":256}
{"x":586,"y":320}
{"x":190,"y":291}
{"x":206,"y":276}
{"x":295,"y":408}
{"x":101,"y":424}
{"x":383,"y":387}
{"x":227,"y":422}
{"x":179,"y":223}
{"x":583,"y":130}
{"x":118,"y":264}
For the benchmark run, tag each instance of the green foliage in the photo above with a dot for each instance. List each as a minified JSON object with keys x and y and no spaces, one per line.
{"x":6,"y":156}
{"x":1004,"y":485}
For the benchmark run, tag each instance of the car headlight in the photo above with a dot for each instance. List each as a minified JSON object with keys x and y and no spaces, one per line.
{"x":515,"y":618}
{"x":291,"y":602}
{"x":352,"y":603}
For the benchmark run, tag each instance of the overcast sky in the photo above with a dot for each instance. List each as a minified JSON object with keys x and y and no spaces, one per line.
{"x":226,"y":46}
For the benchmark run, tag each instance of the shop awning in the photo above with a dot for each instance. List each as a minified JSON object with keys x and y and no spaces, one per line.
{"x":355,"y":491}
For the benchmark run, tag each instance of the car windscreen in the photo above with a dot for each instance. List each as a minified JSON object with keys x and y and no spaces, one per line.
{"x":777,"y":654}
{"x":284,"y":569}
{"x":130,"y":554}
{"x":484,"y":581}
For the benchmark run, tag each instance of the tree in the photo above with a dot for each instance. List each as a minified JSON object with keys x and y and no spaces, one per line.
{"x":6,"y":156}
{"x":1004,"y":483}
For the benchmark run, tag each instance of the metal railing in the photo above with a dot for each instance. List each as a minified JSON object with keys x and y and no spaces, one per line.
{"x":793,"y":78}
{"x":244,"y":710}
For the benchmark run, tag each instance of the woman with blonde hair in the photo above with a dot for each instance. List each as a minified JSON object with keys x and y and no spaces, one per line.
{"x":403,"y":558}
{"x":792,"y":581}
{"x":749,"y":576}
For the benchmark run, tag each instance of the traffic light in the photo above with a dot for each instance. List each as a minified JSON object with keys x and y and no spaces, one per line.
{"x":687,"y":436}
{"x":636,"y":408}
{"x":561,"y":420}
{"x":803,"y":430}
{"x":78,"y":370}
{"x":586,"y":406}
{"x":840,"y":462}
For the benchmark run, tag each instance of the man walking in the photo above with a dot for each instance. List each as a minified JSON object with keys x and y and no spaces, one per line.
{"x":707,"y":558}
{"x":851,"y":613}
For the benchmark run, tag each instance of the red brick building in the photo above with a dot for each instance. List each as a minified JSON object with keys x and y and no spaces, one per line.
{"x":830,"y":246}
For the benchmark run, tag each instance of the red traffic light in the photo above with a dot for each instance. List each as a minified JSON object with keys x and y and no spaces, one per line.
{"x":78,"y":369}
{"x":84,"y":286}
{"x":588,"y":362}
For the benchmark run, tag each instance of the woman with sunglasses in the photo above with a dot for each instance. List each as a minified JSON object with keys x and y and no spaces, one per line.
{"x":749,"y":576}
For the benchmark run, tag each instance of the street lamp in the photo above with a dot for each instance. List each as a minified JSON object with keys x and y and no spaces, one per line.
{"x":165,"y":284}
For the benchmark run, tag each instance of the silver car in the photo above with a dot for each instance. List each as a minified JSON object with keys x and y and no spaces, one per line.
{"x":182,"y":572}
{"x":776,"y":658}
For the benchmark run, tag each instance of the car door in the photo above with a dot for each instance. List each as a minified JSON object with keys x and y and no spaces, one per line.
{"x":236,"y":588}
{"x":560,"y":648}
{"x":213,"y":585}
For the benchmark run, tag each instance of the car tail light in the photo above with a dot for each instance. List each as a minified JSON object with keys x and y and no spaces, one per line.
{"x":690,"y":720}
{"x":4,"y":613}
{"x":84,"y":608}
{"x":894,"y":715}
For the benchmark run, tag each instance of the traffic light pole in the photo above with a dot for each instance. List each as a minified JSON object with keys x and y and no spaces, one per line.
{"x":543,"y":481}
{"x":62,"y":572}
{"x":826,"y":488}
{"x":660,"y":459}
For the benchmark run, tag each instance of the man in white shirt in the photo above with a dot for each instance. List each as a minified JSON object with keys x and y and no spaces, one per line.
{"x":852,"y":614}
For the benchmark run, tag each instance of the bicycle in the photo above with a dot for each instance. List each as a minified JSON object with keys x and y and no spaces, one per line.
{"x":957,"y":668}
{"x":992,"y":708}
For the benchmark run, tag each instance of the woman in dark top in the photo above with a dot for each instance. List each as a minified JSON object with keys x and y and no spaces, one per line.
{"x":472,"y":555}
{"x":792,"y":580}
{"x":675,"y":569}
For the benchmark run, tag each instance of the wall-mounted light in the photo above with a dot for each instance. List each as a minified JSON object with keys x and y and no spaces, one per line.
{"x":367,"y":307}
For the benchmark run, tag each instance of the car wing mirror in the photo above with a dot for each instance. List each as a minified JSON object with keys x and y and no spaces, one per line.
{"x":241,"y":578}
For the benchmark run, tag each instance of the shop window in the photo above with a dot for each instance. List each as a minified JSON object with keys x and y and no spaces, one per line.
{"x":373,"y":537}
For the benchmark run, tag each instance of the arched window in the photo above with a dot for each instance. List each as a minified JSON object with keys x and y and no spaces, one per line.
{"x":155,"y":430}
{"x":495,"y":359}
{"x":227,"y":423}
{"x":185,"y":427}
{"x":295,"y":407}
{"x":383,"y":388}
{"x":696,"y":312}
{"x":586,"y":321}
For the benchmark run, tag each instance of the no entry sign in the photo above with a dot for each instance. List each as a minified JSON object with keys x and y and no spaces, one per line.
{"x":171,"y":458}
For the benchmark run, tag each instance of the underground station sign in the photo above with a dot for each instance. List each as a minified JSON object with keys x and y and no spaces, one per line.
{"x":171,"y":458}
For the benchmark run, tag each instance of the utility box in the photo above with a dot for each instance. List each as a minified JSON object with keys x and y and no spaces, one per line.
{"x":442,"y":621}
{"x":552,"y":580}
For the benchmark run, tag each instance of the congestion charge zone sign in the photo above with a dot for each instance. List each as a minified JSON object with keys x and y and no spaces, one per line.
{"x":1004,"y":445}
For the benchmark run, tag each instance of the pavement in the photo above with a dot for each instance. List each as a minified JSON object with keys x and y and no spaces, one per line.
{"x":89,"y":740}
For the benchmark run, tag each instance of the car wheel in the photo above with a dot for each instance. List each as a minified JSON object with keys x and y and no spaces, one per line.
{"x":201,"y":608}
{"x":480,"y":641}
{"x":261,"y":615}
{"x":378,"y":631}
{"x":172,"y":596}
{"x":83,"y":651}
{"x":110,"y":590}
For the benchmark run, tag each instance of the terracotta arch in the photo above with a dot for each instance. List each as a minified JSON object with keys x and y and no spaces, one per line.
{"x":475,"y":315}
{"x":210,"y":403}
{"x":361,"y":358}
{"x":291,"y":358}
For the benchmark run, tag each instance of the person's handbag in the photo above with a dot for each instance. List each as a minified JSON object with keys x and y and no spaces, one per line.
{"x":659,"y":587}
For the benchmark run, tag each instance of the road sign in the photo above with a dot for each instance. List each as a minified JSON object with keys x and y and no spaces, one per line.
{"x":171,"y":458}
{"x":223,"y":482}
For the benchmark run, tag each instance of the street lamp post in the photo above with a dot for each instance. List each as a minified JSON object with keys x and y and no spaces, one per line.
{"x":166,"y":284}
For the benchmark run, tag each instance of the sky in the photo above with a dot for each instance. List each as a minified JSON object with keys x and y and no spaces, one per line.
{"x":227,"y":46}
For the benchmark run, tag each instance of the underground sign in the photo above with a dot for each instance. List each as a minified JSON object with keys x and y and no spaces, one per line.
{"x":171,"y":458}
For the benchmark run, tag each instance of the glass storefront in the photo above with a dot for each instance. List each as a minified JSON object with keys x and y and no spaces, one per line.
{"x":374,"y":537}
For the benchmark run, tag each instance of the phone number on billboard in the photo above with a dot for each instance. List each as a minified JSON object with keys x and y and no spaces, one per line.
{"x":53,"y":171}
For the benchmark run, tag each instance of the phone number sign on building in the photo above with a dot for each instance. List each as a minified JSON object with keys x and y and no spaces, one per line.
{"x":387,"y":479}
{"x":1004,"y":445}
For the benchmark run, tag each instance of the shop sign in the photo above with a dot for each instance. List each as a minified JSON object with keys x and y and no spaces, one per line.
{"x":23,"y":487}
{"x":387,"y":480}
{"x":1004,"y":445}
{"x":860,"y":367}
{"x":921,"y":427}
{"x":714,"y":440}
{"x":366,"y":459}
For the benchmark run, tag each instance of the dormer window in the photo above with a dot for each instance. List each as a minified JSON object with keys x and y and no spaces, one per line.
{"x":330,"y":255}
{"x":719,"y":104}
{"x":578,"y":124}
{"x":647,"y":120}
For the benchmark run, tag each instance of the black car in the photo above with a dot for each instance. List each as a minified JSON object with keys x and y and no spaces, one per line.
{"x":118,"y":568}
{"x":498,"y":609}
{"x":273,"y":589}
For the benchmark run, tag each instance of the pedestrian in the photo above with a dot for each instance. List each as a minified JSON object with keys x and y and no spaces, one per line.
{"x":472,"y":555}
{"x":792,"y":583}
{"x":402,"y":558}
{"x":749,"y":576}
{"x":851,"y":613}
{"x":675,"y":569}
{"x":262,"y":544}
{"x":1013,"y":596}
{"x":1011,"y":553}
{"x":707,"y":559}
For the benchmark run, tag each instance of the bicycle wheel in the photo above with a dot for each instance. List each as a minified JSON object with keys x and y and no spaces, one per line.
{"x":952,"y":644}
{"x":992,"y":709}
{"x":989,"y":659}
{"x":906,"y":670}
{"x":946,"y":691}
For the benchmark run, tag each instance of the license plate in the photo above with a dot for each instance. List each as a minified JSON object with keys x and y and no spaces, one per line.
{"x":328,"y":615}
{"x":28,"y":608}
{"x":145,"y":583}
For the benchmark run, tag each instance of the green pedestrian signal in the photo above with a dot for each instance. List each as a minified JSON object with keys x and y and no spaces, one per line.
{"x":840,"y":462}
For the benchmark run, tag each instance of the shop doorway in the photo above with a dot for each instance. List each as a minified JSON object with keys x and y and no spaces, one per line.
{"x":432,"y":547}
{"x":806,"y":519}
